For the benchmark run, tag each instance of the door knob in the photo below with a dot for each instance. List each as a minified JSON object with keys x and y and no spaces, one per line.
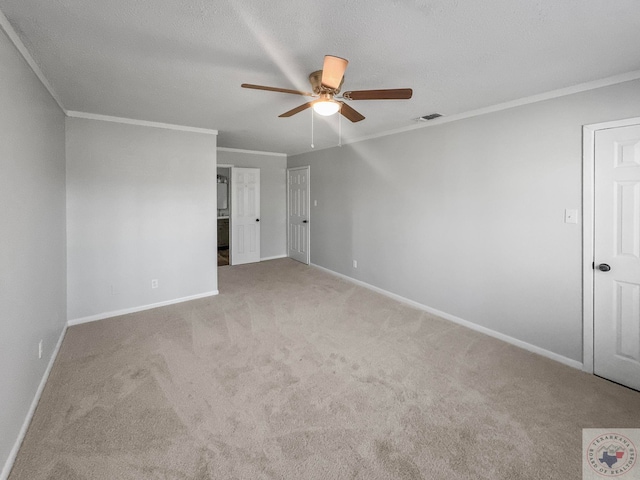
{"x":304,"y":221}
{"x":257,"y":219}
{"x":603,"y":267}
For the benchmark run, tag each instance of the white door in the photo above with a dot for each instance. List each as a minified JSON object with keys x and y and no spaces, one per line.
{"x":617,"y":255}
{"x":245,"y":215}
{"x":298,"y":213}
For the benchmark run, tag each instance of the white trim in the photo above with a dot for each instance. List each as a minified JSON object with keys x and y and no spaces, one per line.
{"x":588,"y":165}
{"x":588,"y":230}
{"x":34,"y":403}
{"x":562,"y":92}
{"x":627,"y":122}
{"x":274,"y":257}
{"x":142,"y":123}
{"x":252,"y":152}
{"x":465,"y":323}
{"x":117,"y":313}
{"x":6,"y":26}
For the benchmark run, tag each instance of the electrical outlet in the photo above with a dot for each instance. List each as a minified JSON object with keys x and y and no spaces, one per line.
{"x":315,"y":203}
{"x":40,"y":349}
{"x":154,"y":283}
{"x":355,"y":264}
{"x":113,"y":289}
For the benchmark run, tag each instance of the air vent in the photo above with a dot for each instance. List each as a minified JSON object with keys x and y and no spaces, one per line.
{"x":431,"y":116}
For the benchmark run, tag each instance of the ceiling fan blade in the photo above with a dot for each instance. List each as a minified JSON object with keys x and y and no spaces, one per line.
{"x":391,"y":94}
{"x":275,"y":89}
{"x":350,"y":113}
{"x":333,"y":71}
{"x":299,"y":109}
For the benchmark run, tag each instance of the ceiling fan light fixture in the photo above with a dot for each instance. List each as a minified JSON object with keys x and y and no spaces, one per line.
{"x":326,"y":107}
{"x":326,"y":84}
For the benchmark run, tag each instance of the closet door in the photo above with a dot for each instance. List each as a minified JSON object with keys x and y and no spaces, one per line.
{"x":616,"y":326}
{"x":245,"y":215}
{"x":298,"y":213}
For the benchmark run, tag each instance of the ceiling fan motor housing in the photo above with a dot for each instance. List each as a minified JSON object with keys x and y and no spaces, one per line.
{"x":315,"y":79}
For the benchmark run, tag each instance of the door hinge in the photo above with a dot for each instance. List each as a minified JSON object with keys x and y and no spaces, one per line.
{"x":593,"y":265}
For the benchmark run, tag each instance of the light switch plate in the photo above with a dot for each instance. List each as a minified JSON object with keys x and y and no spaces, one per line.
{"x":570,"y":216}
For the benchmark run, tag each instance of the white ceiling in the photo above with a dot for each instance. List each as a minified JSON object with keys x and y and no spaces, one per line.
{"x":182,"y":61}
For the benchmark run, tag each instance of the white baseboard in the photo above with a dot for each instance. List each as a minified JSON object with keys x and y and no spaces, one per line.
{"x":473,"y":326}
{"x":27,"y":421}
{"x":264,"y":259}
{"x":117,"y":313}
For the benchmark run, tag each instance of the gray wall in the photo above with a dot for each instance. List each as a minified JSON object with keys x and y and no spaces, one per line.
{"x":141,"y":205}
{"x":32,"y":237}
{"x":273,"y":197}
{"x":467,"y":217}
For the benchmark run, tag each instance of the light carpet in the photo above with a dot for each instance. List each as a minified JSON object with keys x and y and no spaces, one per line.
{"x":292,"y":373}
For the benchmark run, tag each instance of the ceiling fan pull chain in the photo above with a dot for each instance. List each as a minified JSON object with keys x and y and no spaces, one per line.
{"x":312,"y":145}
{"x":339,"y":130}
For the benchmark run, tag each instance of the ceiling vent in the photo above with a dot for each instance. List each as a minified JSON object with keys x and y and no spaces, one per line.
{"x":431,"y":116}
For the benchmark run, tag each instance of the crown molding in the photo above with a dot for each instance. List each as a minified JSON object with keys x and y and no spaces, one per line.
{"x":562,"y":92}
{"x":142,"y":123}
{"x":251,"y":152}
{"x":6,"y":26}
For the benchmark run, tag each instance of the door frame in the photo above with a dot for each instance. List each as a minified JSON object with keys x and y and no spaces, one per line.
{"x":308,"y":169}
{"x":588,"y":233}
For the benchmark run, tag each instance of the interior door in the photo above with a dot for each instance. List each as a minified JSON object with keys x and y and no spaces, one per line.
{"x":245,"y":215}
{"x":298,"y":213}
{"x":617,"y":255}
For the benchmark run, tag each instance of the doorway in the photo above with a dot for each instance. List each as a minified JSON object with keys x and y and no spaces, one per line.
{"x":224,"y":214}
{"x":298,"y":215}
{"x":611,"y":267}
{"x":238,"y":215}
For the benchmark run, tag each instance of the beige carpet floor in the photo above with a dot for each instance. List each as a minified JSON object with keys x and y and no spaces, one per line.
{"x":292,"y":373}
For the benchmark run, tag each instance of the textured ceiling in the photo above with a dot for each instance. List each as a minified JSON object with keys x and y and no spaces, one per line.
{"x":182,"y":61}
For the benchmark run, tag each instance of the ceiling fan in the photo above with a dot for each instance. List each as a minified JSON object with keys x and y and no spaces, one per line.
{"x":326,"y":84}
